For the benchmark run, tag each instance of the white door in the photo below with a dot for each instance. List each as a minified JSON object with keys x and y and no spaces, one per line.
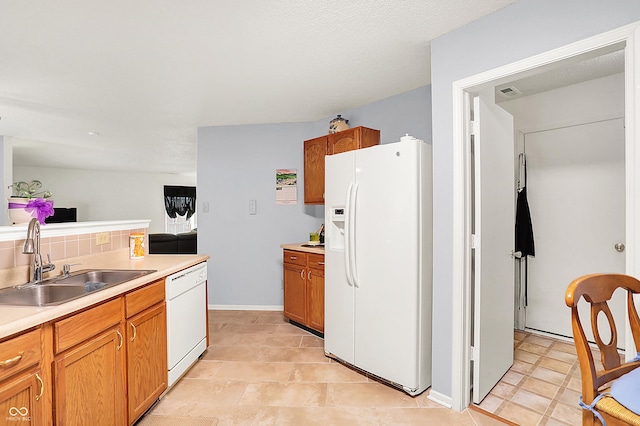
{"x":494,"y":217}
{"x":387,"y":257}
{"x":576,"y":188}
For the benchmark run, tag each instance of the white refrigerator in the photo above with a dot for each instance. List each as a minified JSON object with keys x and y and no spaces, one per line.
{"x":378,"y":261}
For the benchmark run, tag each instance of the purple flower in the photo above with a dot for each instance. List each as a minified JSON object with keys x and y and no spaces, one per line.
{"x":43,"y":208}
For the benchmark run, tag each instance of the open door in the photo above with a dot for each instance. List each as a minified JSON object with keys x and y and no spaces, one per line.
{"x":493,"y":242}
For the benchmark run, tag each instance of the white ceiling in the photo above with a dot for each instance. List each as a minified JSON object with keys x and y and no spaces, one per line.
{"x":589,"y":66}
{"x":146,"y":74}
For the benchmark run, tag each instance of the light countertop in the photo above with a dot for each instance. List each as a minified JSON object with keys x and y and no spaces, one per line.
{"x":299,"y":247}
{"x":14,"y":319}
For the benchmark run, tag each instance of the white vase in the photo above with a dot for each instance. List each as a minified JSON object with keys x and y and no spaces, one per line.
{"x":18,"y":215}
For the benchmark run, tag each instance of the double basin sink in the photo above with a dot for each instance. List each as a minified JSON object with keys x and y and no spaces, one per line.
{"x":61,"y":289}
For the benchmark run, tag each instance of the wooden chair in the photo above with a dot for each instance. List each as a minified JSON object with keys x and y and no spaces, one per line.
{"x":597,"y":289}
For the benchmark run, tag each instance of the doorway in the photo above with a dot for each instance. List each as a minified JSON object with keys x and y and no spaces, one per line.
{"x":595,"y":46}
{"x":571,"y":158}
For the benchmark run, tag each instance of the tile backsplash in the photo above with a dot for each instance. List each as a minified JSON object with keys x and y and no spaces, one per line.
{"x":64,"y":247}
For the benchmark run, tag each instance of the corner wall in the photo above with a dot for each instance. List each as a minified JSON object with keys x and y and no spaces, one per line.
{"x":238,"y":163}
{"x":521,"y":30}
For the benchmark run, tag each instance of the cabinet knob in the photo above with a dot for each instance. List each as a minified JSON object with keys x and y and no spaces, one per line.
{"x":293,"y":257}
{"x":302,"y":274}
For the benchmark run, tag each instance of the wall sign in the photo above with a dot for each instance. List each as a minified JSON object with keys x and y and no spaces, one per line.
{"x":286,"y":187}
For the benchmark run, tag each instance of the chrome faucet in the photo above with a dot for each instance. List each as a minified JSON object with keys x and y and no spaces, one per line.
{"x":32,"y":246}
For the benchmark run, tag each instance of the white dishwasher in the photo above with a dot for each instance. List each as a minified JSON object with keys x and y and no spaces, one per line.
{"x":186,"y":318}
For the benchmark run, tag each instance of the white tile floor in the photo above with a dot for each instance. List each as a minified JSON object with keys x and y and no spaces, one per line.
{"x":543,"y":385}
{"x":261,"y":370}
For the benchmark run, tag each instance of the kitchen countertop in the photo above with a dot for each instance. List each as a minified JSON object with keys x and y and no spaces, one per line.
{"x":14,"y":319}
{"x":299,"y":247}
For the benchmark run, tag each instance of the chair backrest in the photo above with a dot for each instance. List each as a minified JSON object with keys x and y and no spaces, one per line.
{"x":597,"y":289}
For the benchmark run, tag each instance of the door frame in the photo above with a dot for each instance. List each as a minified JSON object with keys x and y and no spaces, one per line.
{"x":627,"y":37}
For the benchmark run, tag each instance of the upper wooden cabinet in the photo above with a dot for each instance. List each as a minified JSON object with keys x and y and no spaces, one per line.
{"x":315,"y":150}
{"x":350,"y":139}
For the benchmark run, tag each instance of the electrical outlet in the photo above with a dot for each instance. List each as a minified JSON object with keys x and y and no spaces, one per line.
{"x":252,"y":207}
{"x":102,"y":238}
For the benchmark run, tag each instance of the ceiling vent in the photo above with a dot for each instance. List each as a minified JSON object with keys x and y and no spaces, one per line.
{"x":510,"y":91}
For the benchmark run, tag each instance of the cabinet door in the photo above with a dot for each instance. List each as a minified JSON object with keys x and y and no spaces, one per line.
{"x":295,"y":290}
{"x":146,"y":359}
{"x":21,"y":399}
{"x":344,"y":141}
{"x":314,"y":152}
{"x":315,"y":299}
{"x":356,"y":138}
{"x":89,"y":382}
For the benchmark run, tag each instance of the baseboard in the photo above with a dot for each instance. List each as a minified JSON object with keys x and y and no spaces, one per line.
{"x":245,"y":307}
{"x":439,"y":398}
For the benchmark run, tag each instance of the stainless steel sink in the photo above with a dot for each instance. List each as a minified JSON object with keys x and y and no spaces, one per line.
{"x":40,"y":295}
{"x":100,"y":276}
{"x":57,"y":290}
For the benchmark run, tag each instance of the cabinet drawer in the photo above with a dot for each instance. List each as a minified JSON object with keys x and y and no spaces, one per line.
{"x":19,"y":353}
{"x":77,"y":328}
{"x":295,"y":257}
{"x":316,"y":261}
{"x":141,"y":299}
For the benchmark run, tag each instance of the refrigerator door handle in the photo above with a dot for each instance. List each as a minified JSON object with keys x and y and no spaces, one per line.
{"x":347,"y":237}
{"x":354,"y":224}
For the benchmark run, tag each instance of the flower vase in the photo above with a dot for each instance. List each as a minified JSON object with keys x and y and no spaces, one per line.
{"x":21,"y":213}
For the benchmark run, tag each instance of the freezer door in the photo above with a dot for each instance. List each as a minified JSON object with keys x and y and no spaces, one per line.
{"x":387,"y":258}
{"x":339,"y":293}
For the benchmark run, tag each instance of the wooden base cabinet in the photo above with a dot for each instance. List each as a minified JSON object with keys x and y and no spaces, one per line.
{"x":89,"y":367}
{"x":146,"y":348}
{"x":295,"y":288}
{"x":315,"y":288}
{"x":304,"y":288}
{"x":89,"y":382}
{"x":21,"y":399}
{"x":24,"y":389}
{"x":105,"y":374}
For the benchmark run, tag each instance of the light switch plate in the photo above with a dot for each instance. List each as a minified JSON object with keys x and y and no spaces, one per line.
{"x":102,"y":238}
{"x":252,"y":207}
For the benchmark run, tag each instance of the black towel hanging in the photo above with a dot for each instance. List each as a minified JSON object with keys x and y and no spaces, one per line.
{"x":524,"y":228}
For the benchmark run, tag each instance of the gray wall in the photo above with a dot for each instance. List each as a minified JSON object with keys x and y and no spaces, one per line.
{"x":523,"y":29}
{"x":408,"y":112}
{"x":238,"y":163}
